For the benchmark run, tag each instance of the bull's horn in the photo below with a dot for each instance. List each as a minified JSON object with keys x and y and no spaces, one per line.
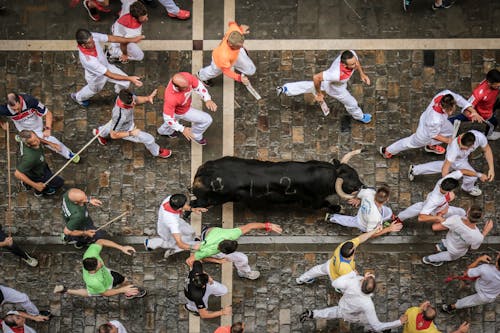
{"x":348,"y":156}
{"x":340,"y":191}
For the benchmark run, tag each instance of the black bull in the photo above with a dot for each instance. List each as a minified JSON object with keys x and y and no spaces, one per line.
{"x":311,"y":184}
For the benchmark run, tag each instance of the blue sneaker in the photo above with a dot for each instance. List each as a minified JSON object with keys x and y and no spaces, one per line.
{"x":85,"y":104}
{"x":299,"y":281}
{"x":366,"y":118}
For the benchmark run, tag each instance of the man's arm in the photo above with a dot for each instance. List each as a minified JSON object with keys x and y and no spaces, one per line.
{"x":145,"y":99}
{"x":79,"y":233}
{"x":136,"y":80}
{"x":129,"y":289}
{"x":118,"y":39}
{"x":430,"y":218}
{"x":32,"y":317}
{"x":367,"y":235}
{"x":125,"y":249}
{"x":182,"y":245}
{"x":488,"y":155}
{"x":487,"y":227}
{"x":464,"y":328}
{"x":394,"y":227}
{"x":362,"y":74}
{"x":205,"y":314}
{"x":25,"y":179}
{"x":257,"y":225}
{"x":48,"y":124}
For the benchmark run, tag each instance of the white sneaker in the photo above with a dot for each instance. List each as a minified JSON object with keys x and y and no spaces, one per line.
{"x":168,"y":253}
{"x":31,"y":261}
{"x":252,"y":275}
{"x":494,"y":136}
{"x":475,"y":192}
{"x":411,"y":176}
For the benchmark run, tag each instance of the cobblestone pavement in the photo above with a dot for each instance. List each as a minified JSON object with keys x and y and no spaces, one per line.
{"x":124,"y":175}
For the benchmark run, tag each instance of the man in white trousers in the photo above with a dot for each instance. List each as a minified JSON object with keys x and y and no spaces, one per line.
{"x":371,"y":214}
{"x":333,"y":81}
{"x":15,"y":322}
{"x":176,"y":235}
{"x":356,"y":304}
{"x":132,"y":15}
{"x":98,"y":70}
{"x":433,"y":127}
{"x":487,"y":284}
{"x":435,"y":209}
{"x":229,"y":53}
{"x":122,"y":124}
{"x":113,"y":326}
{"x":342,"y":261}
{"x":177,"y":106}
{"x":199,"y":288}
{"x":27,"y":113}
{"x":457,"y":159}
{"x":173,"y":10}
{"x":12,"y":296}
{"x":462,"y":235}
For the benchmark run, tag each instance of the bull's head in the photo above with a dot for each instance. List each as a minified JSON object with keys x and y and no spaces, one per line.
{"x":347,"y":181}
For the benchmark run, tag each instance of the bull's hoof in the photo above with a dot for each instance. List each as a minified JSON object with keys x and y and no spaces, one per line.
{"x":334,"y":209}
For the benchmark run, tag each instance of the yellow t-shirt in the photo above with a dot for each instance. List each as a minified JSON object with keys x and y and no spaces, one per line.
{"x":339,"y":265}
{"x":411,"y":324}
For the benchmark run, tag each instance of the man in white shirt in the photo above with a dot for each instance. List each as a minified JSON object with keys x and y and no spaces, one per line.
{"x":15,"y":321}
{"x":114,"y":326}
{"x":98,"y":70}
{"x":462,"y":234}
{"x":433,"y":126}
{"x":457,"y":159}
{"x":176,"y":235}
{"x":435,"y":209}
{"x":334,"y":82}
{"x":487,"y":285}
{"x":356,"y":304}
{"x":371,"y":214}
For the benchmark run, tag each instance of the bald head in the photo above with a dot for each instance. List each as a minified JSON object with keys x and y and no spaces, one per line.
{"x":77,"y":196}
{"x":180,"y":81}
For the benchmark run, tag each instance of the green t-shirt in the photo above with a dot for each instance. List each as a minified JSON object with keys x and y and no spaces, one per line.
{"x":32,"y":162}
{"x":209,"y":246}
{"x":75,"y":216}
{"x":101,"y":280}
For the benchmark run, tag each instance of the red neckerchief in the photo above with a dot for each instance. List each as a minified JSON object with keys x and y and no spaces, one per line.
{"x":422,"y":324}
{"x":123,"y":106}
{"x":129,"y":21}
{"x":447,"y":197}
{"x":437,"y":104}
{"x":345,"y":72}
{"x":169,"y":208}
{"x":91,"y":52}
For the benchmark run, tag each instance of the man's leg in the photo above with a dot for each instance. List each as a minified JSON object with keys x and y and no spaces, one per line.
{"x":92,"y":88}
{"x":409,"y":142}
{"x":428,"y":168}
{"x":134,"y":52}
{"x":209,"y":72}
{"x":16,"y":297}
{"x":240,"y":261}
{"x":148,"y":140}
{"x":170,"y":6}
{"x":298,"y":88}
{"x":200,"y":121}
{"x":64,"y":152}
{"x":165,"y":128}
{"x":54,"y":184}
{"x":341,"y":94}
{"x":14,"y":248}
{"x":346,"y":221}
{"x":468,"y":182}
{"x":445,"y":256}
{"x":472,"y":300}
{"x":244,"y":64}
{"x":327,"y":313}
{"x":316,"y":271}
{"x":411,"y":211}
{"x":452,"y":210}
{"x":157,"y":242}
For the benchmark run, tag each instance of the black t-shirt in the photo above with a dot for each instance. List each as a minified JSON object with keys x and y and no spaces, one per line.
{"x":194,"y":293}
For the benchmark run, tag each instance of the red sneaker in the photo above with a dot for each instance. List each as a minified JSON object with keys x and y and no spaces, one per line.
{"x":92,"y":11}
{"x":202,"y":142}
{"x":97,"y":5}
{"x":383,"y":151}
{"x":101,"y":140}
{"x":436,"y":149}
{"x":181,"y":15}
{"x":164,"y":153}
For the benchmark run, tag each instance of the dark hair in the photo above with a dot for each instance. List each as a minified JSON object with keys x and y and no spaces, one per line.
{"x":82,"y":36}
{"x":237,"y":327}
{"x":429,"y":313}
{"x":90,"y":264}
{"x":468,"y":139}
{"x":105,"y":328}
{"x":475,"y":213}
{"x":493,"y":76}
{"x":347,"y":249}
{"x":369,"y":284}
{"x":126,"y":96}
{"x":345,"y":56}
{"x":498,"y":262}
{"x":449,"y":184}
{"x":13,"y":101}
{"x":177,"y":201}
{"x":10,"y":321}
{"x":227,"y":246}
{"x":382,"y":194}
{"x":137,"y":9}
{"x":25,"y":135}
{"x":200,"y":280}
{"x":447,"y":102}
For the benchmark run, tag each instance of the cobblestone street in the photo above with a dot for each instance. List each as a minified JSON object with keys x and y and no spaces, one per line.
{"x":125,"y":176}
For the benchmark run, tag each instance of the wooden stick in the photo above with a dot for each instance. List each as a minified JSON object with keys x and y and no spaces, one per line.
{"x":456,"y":127}
{"x":252,"y":90}
{"x":71,"y":159}
{"x":113,"y":220}
{"x":9,"y":191}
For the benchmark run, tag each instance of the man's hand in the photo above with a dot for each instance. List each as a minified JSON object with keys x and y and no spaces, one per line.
{"x":395,"y":226}
{"x":4,"y":125}
{"x":136,"y":80}
{"x":484,"y":258}
{"x":129,"y":290}
{"x":136,"y":39}
{"x":190,"y":261}
{"x":46,"y":133}
{"x":95,"y":202}
{"x":39,"y":187}
{"x":8,"y":241}
{"x":245,"y":29}
{"x":424,"y":305}
{"x":245,"y":80}
{"x":227,"y":310}
{"x":187,"y":133}
{"x":152,"y":96}
{"x":211,"y":105}
{"x":199,"y":210}
{"x":354,"y":202}
{"x":488,"y":226}
{"x":365,"y":79}
{"x":403,"y":319}
{"x":276,"y":228}
{"x":123,"y":58}
{"x":319,"y":97}
{"x":89,"y":233}
{"x":491,"y":175}
{"x":135,"y":132}
{"x":476,"y":118}
{"x":483,"y":178}
{"x":40,"y":318}
{"x":464,"y":328}
{"x":129,"y":250}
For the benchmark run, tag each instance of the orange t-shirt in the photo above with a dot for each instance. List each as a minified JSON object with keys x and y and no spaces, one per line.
{"x":224,"y":56}
{"x":223,"y":329}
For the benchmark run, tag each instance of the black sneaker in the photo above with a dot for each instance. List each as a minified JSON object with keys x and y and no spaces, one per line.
{"x":306,"y":315}
{"x":447,"y":308}
{"x":142,"y":292}
{"x":426,"y":260}
{"x":46,"y":313}
{"x":445,"y":5}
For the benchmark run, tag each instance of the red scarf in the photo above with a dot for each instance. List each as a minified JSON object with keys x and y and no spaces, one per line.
{"x":422,"y":324}
{"x":169,"y":208}
{"x":437,"y":104}
{"x":345,"y":72}
{"x":91,"y":52}
{"x":129,"y":21}
{"x":121,"y":105}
